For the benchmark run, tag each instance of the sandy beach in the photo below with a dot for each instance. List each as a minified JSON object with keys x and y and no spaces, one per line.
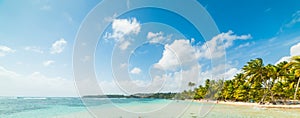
{"x":262,"y":106}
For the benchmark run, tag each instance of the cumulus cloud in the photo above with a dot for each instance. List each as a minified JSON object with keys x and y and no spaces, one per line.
{"x":294,"y":51}
{"x":58,"y":46}
{"x":123,"y":27}
{"x":136,"y":71}
{"x":182,"y":53}
{"x":215,"y":48}
{"x":48,"y":63}
{"x":124,"y":45}
{"x":34,"y":49}
{"x":35,"y":84}
{"x":158,"y":37}
{"x":4,"y":50}
{"x":179,"y":53}
{"x":122,"y":30}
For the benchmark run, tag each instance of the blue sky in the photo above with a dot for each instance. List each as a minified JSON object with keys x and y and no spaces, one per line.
{"x":37,"y":39}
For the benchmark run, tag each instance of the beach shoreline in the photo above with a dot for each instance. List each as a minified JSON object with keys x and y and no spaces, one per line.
{"x":249,"y":104}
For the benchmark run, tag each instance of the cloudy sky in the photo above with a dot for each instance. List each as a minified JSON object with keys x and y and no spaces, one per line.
{"x":143,"y":50}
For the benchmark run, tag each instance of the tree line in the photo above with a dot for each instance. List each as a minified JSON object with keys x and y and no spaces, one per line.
{"x":256,"y":83}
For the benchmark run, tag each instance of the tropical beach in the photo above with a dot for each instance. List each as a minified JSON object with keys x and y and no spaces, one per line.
{"x":149,"y":59}
{"x":73,"y":108}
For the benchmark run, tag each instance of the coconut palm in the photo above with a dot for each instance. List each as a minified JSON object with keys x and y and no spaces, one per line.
{"x":228,"y":89}
{"x":294,"y":65}
{"x":279,"y":85}
{"x":273,"y":73}
{"x":256,"y":73}
{"x":240,"y":89}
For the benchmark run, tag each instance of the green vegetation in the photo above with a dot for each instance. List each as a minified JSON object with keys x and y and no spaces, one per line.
{"x":256,"y":83}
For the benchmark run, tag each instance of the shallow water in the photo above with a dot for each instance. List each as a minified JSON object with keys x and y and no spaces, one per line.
{"x":144,"y":108}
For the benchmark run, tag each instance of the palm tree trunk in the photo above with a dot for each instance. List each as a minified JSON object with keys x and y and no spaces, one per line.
{"x":272,"y":96}
{"x":263,"y":98}
{"x":295,"y":94}
{"x":271,"y":86}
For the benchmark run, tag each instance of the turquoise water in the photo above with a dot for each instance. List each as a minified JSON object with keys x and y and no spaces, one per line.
{"x":56,"y":107}
{"x":50,"y":107}
{"x":38,"y":107}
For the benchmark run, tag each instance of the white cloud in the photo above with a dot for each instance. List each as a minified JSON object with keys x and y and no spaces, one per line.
{"x":122,"y":30}
{"x":34,"y":49}
{"x":48,"y":63}
{"x":179,"y":53}
{"x":215,"y":48}
{"x":136,"y":71}
{"x":5,"y":50}
{"x":124,"y":45}
{"x":123,"y":27}
{"x":35,"y":84}
{"x":244,"y":45}
{"x":58,"y":46}
{"x":294,"y":51}
{"x":182,"y":53}
{"x":157,"y":37}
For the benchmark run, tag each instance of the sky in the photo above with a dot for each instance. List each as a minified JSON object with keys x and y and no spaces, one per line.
{"x":142,"y":50}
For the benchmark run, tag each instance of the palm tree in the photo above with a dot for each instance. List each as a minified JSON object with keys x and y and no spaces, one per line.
{"x":256,"y":73}
{"x":228,"y":90}
{"x":272,"y":76}
{"x":279,"y":86}
{"x":294,"y":65}
{"x":240,"y":89}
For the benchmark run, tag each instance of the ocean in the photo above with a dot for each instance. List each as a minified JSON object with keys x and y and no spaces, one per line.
{"x":25,"y":107}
